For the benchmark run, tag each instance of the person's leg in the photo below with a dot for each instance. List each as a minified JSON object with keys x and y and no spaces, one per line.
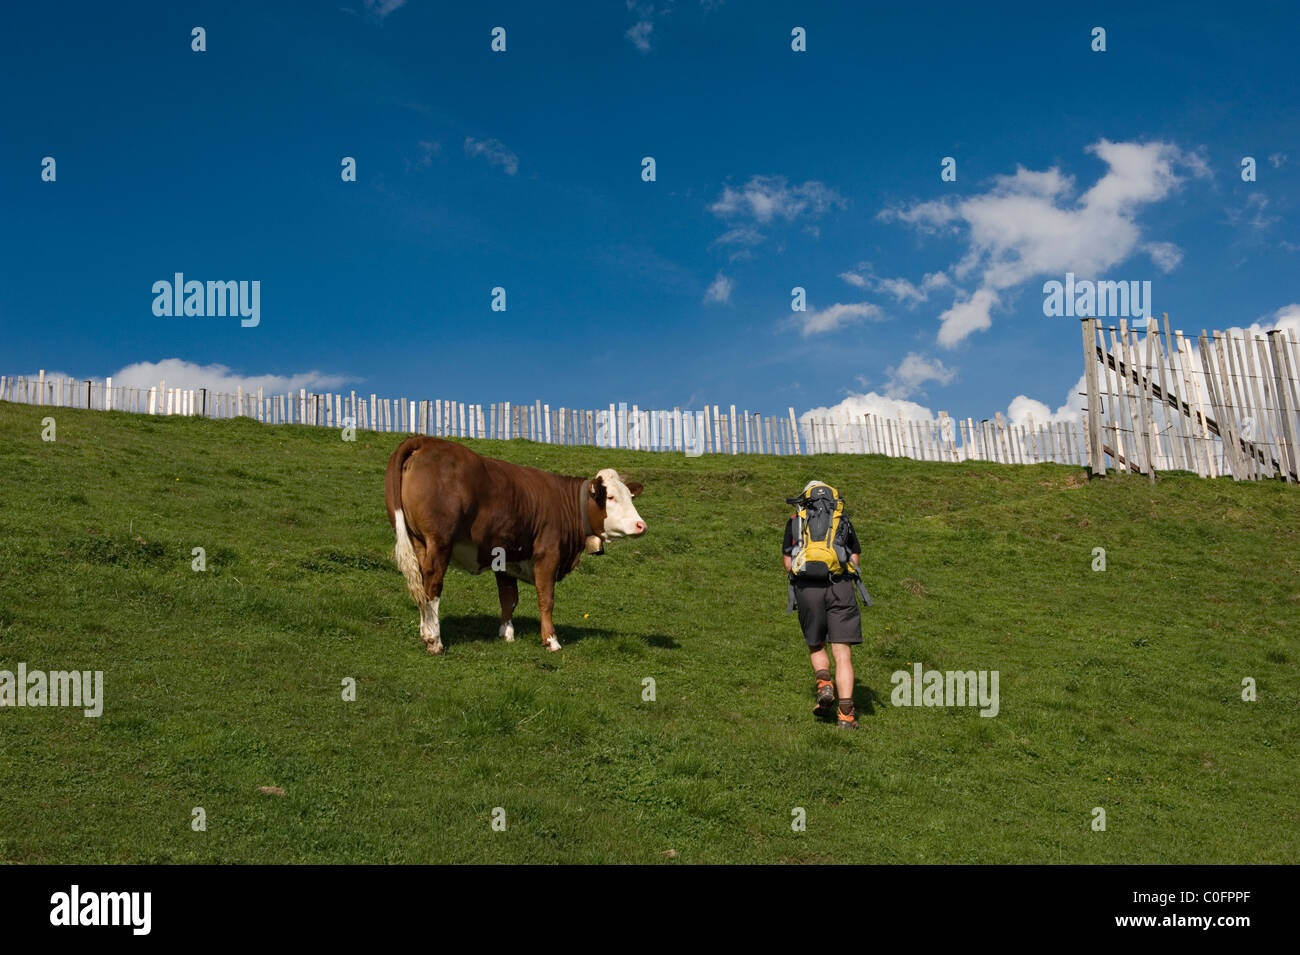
{"x":825,"y":688}
{"x":811,"y":603}
{"x":844,"y":630}
{"x":843,"y":671}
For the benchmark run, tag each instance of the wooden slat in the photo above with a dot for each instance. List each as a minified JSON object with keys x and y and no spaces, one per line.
{"x":1178,"y":446}
{"x":1264,"y":422}
{"x":1114,"y":401}
{"x":1251,"y":413}
{"x":1149,"y":446}
{"x":1281,"y":389}
{"x":1196,"y":424}
{"x":1133,"y":400}
{"x":1291,"y":354}
{"x":1239,"y":405}
{"x":1197,"y":389}
{"x":1221,"y":399}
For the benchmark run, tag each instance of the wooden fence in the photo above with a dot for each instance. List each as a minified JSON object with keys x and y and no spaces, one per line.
{"x":716,"y":429}
{"x":1228,"y":406}
{"x":1148,"y":408}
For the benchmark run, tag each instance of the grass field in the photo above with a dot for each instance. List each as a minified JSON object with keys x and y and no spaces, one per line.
{"x":1118,"y":689}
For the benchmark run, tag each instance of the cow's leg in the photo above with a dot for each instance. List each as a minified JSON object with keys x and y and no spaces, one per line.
{"x":508,"y":592}
{"x":433,"y":565}
{"x":544,"y":578}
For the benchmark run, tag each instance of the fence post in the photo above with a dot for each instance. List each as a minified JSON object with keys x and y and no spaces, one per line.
{"x":1096,"y":456}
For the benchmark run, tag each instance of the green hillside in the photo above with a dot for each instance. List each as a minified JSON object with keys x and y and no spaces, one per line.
{"x":1119,"y":689}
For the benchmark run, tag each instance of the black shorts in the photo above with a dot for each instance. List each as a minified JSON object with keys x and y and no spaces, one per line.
{"x":828,"y":612}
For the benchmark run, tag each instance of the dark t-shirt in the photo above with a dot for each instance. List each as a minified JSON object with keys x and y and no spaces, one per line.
{"x":847,"y":535}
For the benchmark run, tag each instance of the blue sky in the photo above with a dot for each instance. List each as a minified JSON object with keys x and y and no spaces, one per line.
{"x":522,"y":170}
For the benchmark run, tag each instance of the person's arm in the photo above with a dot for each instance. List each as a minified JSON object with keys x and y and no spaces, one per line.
{"x":787,"y":544}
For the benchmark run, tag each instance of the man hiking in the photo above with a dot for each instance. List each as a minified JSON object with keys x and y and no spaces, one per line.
{"x":821,"y":552}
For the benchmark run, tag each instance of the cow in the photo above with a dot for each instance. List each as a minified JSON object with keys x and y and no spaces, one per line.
{"x":449,"y":505}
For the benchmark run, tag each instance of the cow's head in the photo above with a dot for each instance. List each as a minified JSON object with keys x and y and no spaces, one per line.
{"x":610,"y":510}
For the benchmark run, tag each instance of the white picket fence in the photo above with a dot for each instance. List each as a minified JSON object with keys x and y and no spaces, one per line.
{"x":1133,"y":445}
{"x":719,"y":430}
{"x":716,"y":429}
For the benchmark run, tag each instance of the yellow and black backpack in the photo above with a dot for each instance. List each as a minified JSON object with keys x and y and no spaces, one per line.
{"x":818,"y":552}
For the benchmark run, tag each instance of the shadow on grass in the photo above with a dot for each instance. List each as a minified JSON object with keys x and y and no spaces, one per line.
{"x":864,"y":700}
{"x":482,"y":628}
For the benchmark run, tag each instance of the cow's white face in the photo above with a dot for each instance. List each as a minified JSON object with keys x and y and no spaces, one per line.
{"x":621,"y":518}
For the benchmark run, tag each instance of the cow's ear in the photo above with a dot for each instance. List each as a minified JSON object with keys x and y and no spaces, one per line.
{"x":634,"y":487}
{"x":598,"y":491}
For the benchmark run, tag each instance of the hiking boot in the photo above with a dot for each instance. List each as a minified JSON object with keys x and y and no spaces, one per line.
{"x":846,"y":721}
{"x":825,"y":707}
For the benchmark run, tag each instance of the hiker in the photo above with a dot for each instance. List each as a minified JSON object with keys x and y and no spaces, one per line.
{"x":821,"y":552}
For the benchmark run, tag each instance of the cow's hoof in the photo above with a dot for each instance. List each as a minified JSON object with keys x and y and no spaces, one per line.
{"x":552,"y":644}
{"x":437,"y":649}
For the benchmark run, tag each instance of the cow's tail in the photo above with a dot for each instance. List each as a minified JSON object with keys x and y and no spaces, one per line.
{"x":403,"y":552}
{"x":407,"y":561}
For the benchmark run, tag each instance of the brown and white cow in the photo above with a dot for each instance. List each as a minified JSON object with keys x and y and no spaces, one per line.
{"x":449,"y":505}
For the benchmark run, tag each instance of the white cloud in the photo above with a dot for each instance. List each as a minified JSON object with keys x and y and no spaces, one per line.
{"x":765,"y":198}
{"x":1030,"y":224}
{"x":639,"y":34}
{"x":1278,"y":160}
{"x":966,"y":316}
{"x":911,"y":295}
{"x":219,"y":378}
{"x":428,"y":149}
{"x":741,"y":235}
{"x":852,"y":408}
{"x":903,"y":291}
{"x":1252,"y":214}
{"x":914,"y":371}
{"x":645,"y":14}
{"x":719,"y":290}
{"x":52,"y":374}
{"x":1287,"y":318}
{"x":494,"y":151}
{"x":1165,"y":255}
{"x":930,"y":216}
{"x":828,"y":319}
{"x":1023,"y":409}
{"x":382,"y":8}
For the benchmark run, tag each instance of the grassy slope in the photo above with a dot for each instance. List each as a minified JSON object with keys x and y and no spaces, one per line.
{"x":1118,"y":689}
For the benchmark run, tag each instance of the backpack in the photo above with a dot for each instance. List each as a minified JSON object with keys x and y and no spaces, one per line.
{"x":819,"y":553}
